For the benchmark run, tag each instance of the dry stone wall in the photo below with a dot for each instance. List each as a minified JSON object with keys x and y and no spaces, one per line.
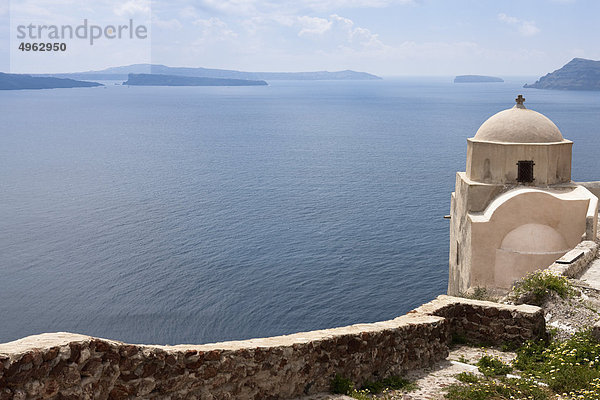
{"x":486,"y":322}
{"x":71,"y":366}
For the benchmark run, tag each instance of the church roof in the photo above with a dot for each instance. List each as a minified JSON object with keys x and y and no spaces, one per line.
{"x":519,"y":125}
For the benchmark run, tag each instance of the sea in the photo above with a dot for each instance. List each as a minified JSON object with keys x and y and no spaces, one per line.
{"x":171,"y":215}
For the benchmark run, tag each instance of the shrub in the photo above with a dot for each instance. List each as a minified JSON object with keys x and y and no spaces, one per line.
{"x":362,"y":394}
{"x":489,"y":389}
{"x":478,"y":293}
{"x":491,"y":366}
{"x":529,"y":355}
{"x":536,"y":287}
{"x":467,"y":377}
{"x":570,"y":368}
{"x":394,"y":383}
{"x":459,"y":338}
{"x":341,"y":385}
{"x":567,"y":366}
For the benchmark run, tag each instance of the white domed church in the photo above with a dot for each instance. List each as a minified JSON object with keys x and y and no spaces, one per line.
{"x":515,"y":209}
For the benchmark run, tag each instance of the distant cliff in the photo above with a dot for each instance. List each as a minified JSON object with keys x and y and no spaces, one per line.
{"x":173,"y":80}
{"x":21,"y":81}
{"x":476,"y":79}
{"x":578,"y":74}
{"x":121,"y":73}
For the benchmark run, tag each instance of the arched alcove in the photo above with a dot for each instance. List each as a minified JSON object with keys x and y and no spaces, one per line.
{"x":525,"y":249}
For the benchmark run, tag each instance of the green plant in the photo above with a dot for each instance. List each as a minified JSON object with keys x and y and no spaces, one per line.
{"x":536,"y":287}
{"x":492,"y":366}
{"x":463,"y":360}
{"x":459,"y":338}
{"x":341,"y":385}
{"x":480,"y":293}
{"x":467,"y":377}
{"x":530,"y":355}
{"x":373,"y":387}
{"x":490,"y":389}
{"x":362,"y":394}
{"x":393,"y":382}
{"x":567,"y":366}
{"x":552,"y":332}
{"x":509,"y":346}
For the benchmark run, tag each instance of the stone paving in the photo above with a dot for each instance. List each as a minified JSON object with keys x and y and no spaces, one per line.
{"x":591,"y":277}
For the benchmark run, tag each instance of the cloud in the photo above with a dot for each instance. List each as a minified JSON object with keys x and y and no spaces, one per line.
{"x":337,"y":31}
{"x":188,"y":12}
{"x":525,"y":28}
{"x":356,"y":36}
{"x":528,"y":28}
{"x":30,"y":10}
{"x":230,"y":7}
{"x":313,"y":25}
{"x":172,"y":23}
{"x":509,"y":20}
{"x":290,"y":7}
{"x":68,"y":11}
{"x":133,"y":7}
{"x":213,"y":30}
{"x":328,"y":5}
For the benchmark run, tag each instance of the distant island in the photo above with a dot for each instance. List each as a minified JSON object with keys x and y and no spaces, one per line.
{"x":476,"y":79}
{"x":174,"y":80}
{"x":577,"y":74}
{"x":22,"y":81}
{"x":122,"y":73}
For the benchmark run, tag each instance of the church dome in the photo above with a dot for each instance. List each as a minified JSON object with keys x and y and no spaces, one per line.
{"x":519,"y":125}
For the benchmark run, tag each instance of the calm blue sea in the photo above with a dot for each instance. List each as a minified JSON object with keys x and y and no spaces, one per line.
{"x":193,"y":215}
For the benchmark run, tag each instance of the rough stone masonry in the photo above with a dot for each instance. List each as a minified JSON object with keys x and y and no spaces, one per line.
{"x":71,"y":366}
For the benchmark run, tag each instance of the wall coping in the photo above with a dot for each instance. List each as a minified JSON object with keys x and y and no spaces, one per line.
{"x":48,"y":340}
{"x":577,"y":267}
{"x":424,"y":314}
{"x":443,"y":301}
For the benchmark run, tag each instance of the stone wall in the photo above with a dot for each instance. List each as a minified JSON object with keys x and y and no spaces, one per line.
{"x":577,"y":267}
{"x":486,"y":322}
{"x":71,"y":366}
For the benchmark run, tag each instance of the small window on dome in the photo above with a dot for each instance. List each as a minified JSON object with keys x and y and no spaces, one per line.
{"x":525,"y":171}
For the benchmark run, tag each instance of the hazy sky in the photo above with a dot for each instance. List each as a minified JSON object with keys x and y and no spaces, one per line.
{"x":385,"y":37}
